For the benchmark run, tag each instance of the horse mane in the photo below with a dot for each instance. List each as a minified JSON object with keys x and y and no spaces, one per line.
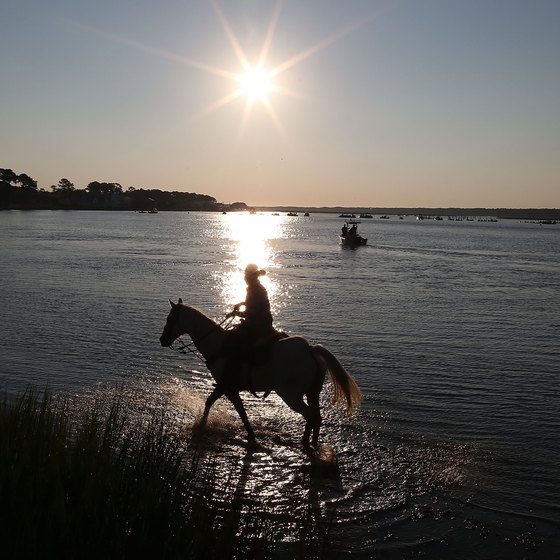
{"x":200,"y":317}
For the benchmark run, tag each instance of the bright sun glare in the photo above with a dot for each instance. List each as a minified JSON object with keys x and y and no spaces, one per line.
{"x":255,"y":81}
{"x":252,"y":236}
{"x":255,"y":84}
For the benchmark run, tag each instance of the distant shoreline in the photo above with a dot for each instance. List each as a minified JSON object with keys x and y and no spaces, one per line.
{"x":501,"y":213}
{"x":20,"y":192}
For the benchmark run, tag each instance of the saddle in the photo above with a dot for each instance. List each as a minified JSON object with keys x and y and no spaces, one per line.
{"x":260,"y":351}
{"x":258,"y":354}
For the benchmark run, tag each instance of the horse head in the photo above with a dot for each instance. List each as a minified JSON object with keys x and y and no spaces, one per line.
{"x":172,"y":329}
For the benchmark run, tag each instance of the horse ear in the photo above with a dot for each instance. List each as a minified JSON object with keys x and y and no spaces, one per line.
{"x":171,"y":304}
{"x":180,"y":301}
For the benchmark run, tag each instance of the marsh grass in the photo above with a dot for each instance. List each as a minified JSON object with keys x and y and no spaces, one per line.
{"x":103,"y":483}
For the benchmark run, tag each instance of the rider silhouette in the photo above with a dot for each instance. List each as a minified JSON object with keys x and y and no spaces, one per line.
{"x":256,"y":323}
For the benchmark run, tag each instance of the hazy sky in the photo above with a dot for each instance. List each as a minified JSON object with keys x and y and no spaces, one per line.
{"x":375,"y":103}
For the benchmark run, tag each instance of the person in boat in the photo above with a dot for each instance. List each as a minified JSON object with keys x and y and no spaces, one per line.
{"x":354,"y":230}
{"x":256,"y":322}
{"x":344,"y":231}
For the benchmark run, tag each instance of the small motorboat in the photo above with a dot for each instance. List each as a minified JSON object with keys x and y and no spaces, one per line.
{"x":349,"y":236}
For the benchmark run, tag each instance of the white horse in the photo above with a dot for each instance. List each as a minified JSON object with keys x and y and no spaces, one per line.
{"x":293,"y":369}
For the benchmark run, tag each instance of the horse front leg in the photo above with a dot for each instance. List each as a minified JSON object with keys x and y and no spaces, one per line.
{"x":212,"y":398}
{"x":238,"y":404}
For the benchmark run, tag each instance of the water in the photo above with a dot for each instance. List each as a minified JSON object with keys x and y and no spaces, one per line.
{"x":451,"y":330}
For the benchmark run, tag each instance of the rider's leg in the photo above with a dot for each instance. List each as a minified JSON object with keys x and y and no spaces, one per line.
{"x":233,"y":351}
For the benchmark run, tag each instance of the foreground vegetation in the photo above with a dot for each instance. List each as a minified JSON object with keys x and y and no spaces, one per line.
{"x":102,"y":483}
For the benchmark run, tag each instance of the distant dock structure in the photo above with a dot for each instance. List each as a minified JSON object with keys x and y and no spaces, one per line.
{"x":457,"y":218}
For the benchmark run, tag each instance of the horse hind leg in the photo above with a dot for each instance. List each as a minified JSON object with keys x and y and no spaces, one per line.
{"x":315,"y":417}
{"x":313,"y":400}
{"x":297,"y":404}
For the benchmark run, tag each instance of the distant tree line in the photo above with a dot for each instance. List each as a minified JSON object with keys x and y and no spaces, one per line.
{"x":20,"y":191}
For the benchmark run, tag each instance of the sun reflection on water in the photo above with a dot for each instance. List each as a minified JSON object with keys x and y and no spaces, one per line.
{"x":251,"y":236}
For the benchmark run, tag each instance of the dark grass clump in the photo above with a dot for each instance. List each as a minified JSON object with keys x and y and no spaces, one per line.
{"x":102,"y":484}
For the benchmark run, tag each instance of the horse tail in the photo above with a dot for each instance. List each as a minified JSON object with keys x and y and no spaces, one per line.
{"x":343,"y":382}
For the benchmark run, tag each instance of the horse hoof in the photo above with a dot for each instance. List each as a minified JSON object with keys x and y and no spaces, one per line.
{"x":199,"y":426}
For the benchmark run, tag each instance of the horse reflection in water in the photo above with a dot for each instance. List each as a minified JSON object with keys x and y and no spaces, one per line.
{"x":294,"y":369}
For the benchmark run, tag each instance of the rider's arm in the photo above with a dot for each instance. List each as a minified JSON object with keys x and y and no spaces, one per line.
{"x":236,"y":312}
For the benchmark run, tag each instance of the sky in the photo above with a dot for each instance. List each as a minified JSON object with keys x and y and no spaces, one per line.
{"x":373,"y":103}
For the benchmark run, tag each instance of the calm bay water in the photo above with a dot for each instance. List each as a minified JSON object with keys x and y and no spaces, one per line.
{"x":451,"y":330}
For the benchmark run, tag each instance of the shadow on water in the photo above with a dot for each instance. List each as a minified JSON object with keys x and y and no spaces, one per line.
{"x":366,"y":492}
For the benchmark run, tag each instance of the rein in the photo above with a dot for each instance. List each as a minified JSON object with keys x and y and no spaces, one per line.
{"x":190,"y":347}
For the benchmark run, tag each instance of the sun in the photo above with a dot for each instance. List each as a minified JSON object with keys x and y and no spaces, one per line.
{"x":255,"y":84}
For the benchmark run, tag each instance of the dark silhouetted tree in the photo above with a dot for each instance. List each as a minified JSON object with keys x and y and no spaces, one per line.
{"x":64,"y":185}
{"x":8,"y":176}
{"x":21,"y":192}
{"x":96,"y":188}
{"x":27,"y":182}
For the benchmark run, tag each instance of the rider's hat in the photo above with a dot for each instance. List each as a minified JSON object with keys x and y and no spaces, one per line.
{"x":253,"y":270}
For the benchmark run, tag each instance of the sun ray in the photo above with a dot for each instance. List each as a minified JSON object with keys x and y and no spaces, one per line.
{"x":231,"y":37}
{"x":269,"y":35}
{"x":185,"y":61}
{"x":291,"y":93}
{"x":254,"y":83}
{"x":274,"y":116}
{"x":232,"y":96}
{"x":296,"y":59}
{"x":247,"y":109}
